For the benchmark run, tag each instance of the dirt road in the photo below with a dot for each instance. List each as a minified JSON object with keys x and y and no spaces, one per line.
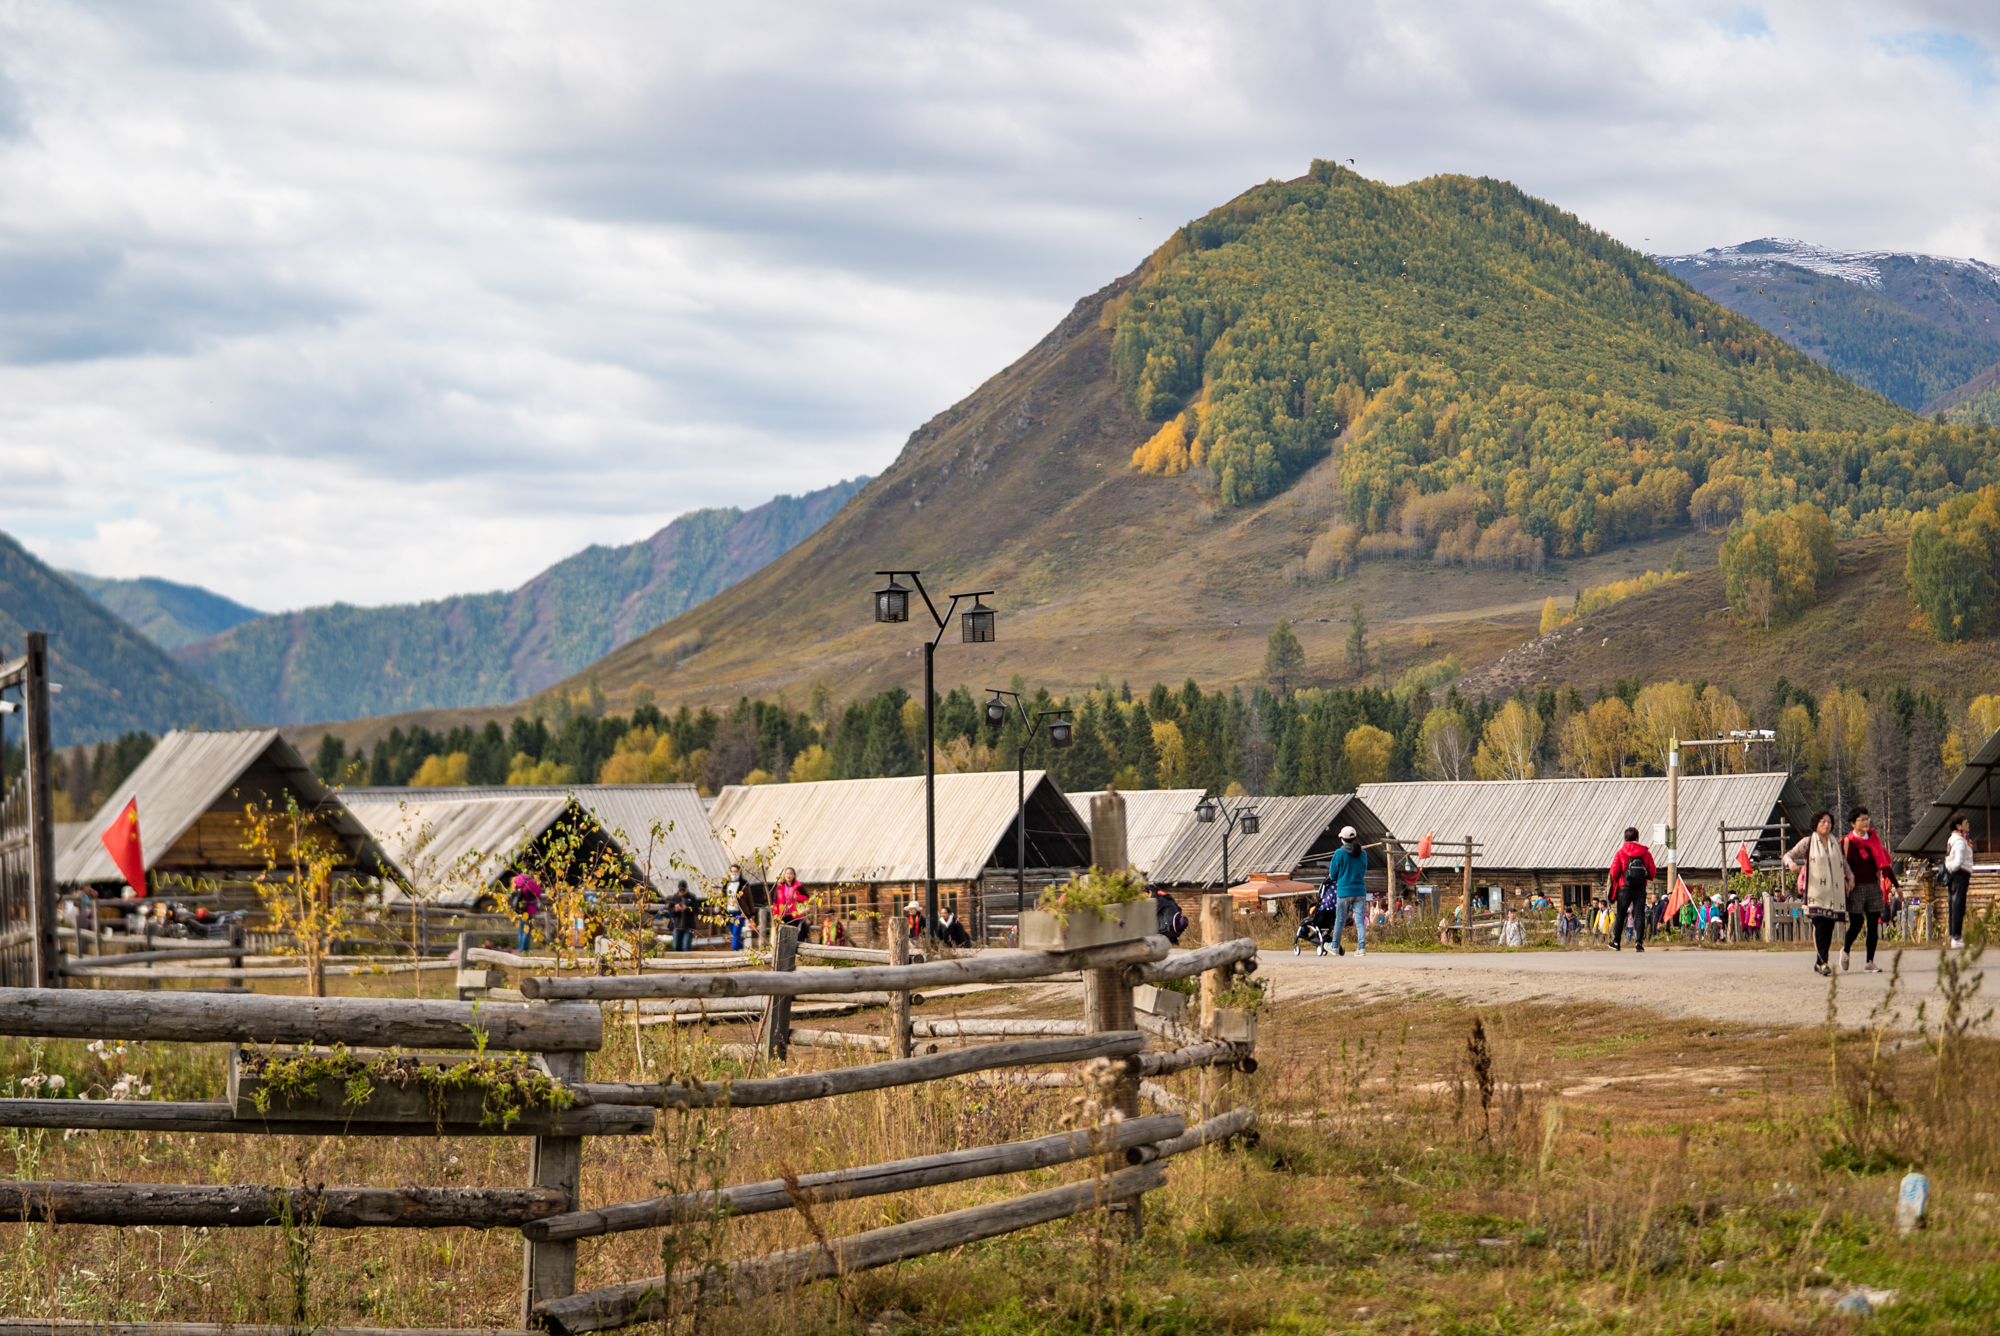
{"x":1760,"y":987}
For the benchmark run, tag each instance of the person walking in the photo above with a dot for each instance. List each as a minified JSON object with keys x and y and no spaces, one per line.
{"x":789,"y":902}
{"x":1824,"y":879}
{"x":1348,"y":871}
{"x":681,"y":910}
{"x":525,"y":902}
{"x":1631,"y":868}
{"x":1873,"y":882}
{"x":1957,"y":876}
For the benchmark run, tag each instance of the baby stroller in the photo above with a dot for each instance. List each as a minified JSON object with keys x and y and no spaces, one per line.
{"x":1318,"y":926}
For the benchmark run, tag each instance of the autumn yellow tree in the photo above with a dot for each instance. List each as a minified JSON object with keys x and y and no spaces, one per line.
{"x":1598,"y":741}
{"x":1661,"y":712}
{"x":1551,"y":615}
{"x":1171,"y":749}
{"x":441,"y":771}
{"x":1442,"y":749}
{"x":1166,"y":454}
{"x":1508,"y":746}
{"x":1368,"y":750}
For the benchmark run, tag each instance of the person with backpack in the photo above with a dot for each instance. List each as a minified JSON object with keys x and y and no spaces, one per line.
{"x":681,"y":911}
{"x":1631,"y":868}
{"x":524,"y":902}
{"x":1348,"y":871}
{"x":1168,"y":920}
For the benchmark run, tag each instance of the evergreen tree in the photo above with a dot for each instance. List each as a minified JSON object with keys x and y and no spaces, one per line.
{"x":1284,"y":658}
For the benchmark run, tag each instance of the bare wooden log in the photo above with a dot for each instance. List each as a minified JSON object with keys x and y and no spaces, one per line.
{"x":870,"y":1181}
{"x":691,"y":962}
{"x":842,"y":1039}
{"x":873,"y":1076}
{"x":108,"y":1115}
{"x":62,"y":1203}
{"x":117,"y":969}
{"x":993,"y":1029}
{"x":147,"y":957}
{"x":776,"y":1030}
{"x":1219,"y":1128}
{"x":71,"y":1326}
{"x":864,"y":954}
{"x":990,"y":967}
{"x":1160,"y":1096}
{"x":1187,"y":964}
{"x":219,"y":1018}
{"x":644,"y":1300}
{"x":1182,"y":1059}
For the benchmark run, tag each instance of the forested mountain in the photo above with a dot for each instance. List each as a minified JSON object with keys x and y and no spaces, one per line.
{"x":114,"y":680}
{"x":168,"y":614}
{"x":340,"y":662}
{"x":1914,"y":328}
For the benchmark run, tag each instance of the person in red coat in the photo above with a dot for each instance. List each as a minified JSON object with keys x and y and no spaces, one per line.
{"x":1631,"y":868}
{"x":1868,"y":859}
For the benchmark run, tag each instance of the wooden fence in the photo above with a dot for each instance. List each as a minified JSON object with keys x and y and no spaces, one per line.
{"x":567,"y":1022}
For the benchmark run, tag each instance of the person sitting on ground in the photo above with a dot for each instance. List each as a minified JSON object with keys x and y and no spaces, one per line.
{"x":1631,"y":868}
{"x":950,"y":931}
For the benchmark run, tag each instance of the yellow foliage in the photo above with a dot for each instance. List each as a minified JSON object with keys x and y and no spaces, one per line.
{"x":1368,"y":750}
{"x":756,"y":777}
{"x":1551,"y":615}
{"x":1171,"y":749}
{"x":1985,"y":715}
{"x":1603,"y":596}
{"x":1597,"y":741}
{"x":1166,"y":455}
{"x":814,"y":763}
{"x":441,"y":771}
{"x":963,"y":756}
{"x":525,"y":770}
{"x":1507,"y":747}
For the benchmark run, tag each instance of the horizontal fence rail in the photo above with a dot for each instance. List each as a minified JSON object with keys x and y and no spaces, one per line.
{"x":870,"y":1181}
{"x":1185,"y":965}
{"x":217,"y":1018}
{"x":645,"y":1300}
{"x":233,"y":1206}
{"x":1016,"y":967}
{"x":145,"y":1115}
{"x":871,"y":1076}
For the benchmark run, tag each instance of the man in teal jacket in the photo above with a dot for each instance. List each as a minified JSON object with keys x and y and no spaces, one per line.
{"x":1348,"y":871}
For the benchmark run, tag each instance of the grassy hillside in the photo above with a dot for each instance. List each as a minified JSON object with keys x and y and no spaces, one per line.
{"x":1910,"y":327}
{"x":1980,"y":401}
{"x":1354,"y":353}
{"x":340,"y":662}
{"x":114,"y":679}
{"x":168,"y":614}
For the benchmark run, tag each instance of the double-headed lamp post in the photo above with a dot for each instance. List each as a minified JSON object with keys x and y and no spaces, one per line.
{"x":1061,"y":733}
{"x":1743,"y":736}
{"x":1243,"y":818}
{"x":892,"y":604}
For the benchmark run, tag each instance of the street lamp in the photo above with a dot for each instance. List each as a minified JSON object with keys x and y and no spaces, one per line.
{"x":1746,"y":736}
{"x":892,"y":604}
{"x":1243,"y":819}
{"x":1061,"y":734}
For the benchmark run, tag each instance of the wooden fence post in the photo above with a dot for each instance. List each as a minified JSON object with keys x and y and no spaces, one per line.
{"x":1465,"y":933}
{"x":1107,"y":1001}
{"x":1216,"y":928}
{"x":41,"y":813}
{"x":776,"y":1039}
{"x":237,"y":983}
{"x":899,"y":1001}
{"x":548,"y":1270}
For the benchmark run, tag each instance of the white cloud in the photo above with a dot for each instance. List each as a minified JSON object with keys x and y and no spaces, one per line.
{"x":383,"y":302}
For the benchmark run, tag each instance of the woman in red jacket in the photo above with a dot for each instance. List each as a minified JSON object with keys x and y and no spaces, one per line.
{"x":1868,"y":859}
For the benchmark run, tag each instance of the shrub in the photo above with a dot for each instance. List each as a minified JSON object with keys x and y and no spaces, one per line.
{"x":1777,"y":564}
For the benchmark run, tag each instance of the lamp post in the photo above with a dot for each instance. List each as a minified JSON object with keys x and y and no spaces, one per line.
{"x":892,"y":604}
{"x":1243,"y":818}
{"x":1745,"y":736}
{"x":1061,"y":734}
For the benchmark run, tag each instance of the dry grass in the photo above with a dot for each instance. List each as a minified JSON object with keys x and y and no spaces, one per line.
{"x":1614,"y":1171}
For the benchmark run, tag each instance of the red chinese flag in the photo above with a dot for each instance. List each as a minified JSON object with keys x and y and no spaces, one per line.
{"x":1424,"y":848}
{"x":1743,"y":860}
{"x":121,"y":841}
{"x":1681,"y":896}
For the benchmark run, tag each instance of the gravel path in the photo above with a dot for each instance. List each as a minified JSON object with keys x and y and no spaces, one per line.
{"x":1762,"y":987}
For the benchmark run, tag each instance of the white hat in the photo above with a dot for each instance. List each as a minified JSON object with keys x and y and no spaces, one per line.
{"x":1349,"y":833}
{"x":913,"y":905}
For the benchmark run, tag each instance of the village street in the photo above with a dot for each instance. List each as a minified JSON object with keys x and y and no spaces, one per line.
{"x":1762,"y":987}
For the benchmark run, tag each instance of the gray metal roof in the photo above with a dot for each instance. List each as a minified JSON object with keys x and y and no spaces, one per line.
{"x":872,"y":830}
{"x":1154,"y":819}
{"x":1290,"y":831}
{"x":1578,"y":824}
{"x":664,"y":827}
{"x":185,"y":775}
{"x":1972,"y":789}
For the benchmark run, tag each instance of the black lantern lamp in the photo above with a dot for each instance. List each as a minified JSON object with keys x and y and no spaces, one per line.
{"x":1204,"y":811}
{"x":1248,"y":823}
{"x":996,"y":712}
{"x":976,"y":623}
{"x":1061,"y":732}
{"x":892,"y":602}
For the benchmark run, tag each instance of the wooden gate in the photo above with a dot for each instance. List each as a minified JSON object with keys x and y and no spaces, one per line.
{"x":27,"y":833}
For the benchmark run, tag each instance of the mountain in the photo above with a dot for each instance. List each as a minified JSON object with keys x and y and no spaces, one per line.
{"x":168,"y":614}
{"x":340,"y":662}
{"x":1976,"y":401}
{"x":1910,"y":327}
{"x":114,"y":680}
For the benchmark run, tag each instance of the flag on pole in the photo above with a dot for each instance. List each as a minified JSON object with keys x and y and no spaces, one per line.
{"x":1743,"y":860}
{"x":121,"y":841}
{"x":1680,"y":898}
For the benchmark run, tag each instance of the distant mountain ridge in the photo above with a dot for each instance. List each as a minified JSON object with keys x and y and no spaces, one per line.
{"x":114,"y":680}
{"x":168,"y":614}
{"x":1914,"y":328}
{"x":343,"y":662}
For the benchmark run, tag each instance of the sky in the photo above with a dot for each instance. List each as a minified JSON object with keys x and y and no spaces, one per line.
{"x":316,"y":302}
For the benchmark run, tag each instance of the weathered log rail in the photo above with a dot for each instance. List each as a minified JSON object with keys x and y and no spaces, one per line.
{"x":146,"y":1115}
{"x":60,"y":1203}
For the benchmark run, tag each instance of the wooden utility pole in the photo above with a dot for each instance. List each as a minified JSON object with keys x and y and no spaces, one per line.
{"x":899,"y":1000}
{"x":1465,"y":933}
{"x":1216,"y":928}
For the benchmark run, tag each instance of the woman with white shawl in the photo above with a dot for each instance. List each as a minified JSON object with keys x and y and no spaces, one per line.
{"x":1824,"y":880}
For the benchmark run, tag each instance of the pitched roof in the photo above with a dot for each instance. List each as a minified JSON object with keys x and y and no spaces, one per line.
{"x":1290,"y":832}
{"x":1556,"y":824}
{"x":1154,"y":818}
{"x":185,"y":775}
{"x":1973,"y":789}
{"x":872,"y":830}
{"x":469,"y":833}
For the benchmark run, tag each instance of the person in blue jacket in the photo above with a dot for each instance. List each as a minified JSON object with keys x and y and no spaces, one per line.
{"x":1348,"y":871}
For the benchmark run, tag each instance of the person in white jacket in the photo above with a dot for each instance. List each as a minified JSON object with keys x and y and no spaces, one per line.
{"x":1958,"y":875}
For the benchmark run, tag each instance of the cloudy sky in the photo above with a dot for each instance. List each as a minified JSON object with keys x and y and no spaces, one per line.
{"x":312,"y":302}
